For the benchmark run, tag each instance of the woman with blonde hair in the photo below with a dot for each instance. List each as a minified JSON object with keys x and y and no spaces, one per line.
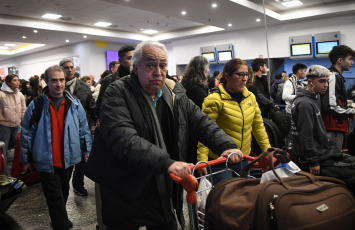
{"x":234,"y":108}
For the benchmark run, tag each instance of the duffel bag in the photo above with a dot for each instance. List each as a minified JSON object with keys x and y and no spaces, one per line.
{"x":302,"y":201}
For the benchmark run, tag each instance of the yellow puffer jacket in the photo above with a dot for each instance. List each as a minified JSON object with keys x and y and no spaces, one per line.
{"x":237,"y":120}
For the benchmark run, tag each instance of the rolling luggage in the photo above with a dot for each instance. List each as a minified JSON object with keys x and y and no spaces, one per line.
{"x":301,"y":201}
{"x":16,"y":168}
{"x":10,"y":189}
{"x":2,"y":159}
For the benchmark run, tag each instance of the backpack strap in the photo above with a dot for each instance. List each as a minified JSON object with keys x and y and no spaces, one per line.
{"x":37,"y":111}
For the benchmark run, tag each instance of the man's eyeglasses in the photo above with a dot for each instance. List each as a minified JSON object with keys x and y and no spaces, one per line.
{"x":241,"y":75}
{"x":69,"y":67}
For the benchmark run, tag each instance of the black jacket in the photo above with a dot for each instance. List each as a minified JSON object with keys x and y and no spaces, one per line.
{"x":128,"y":136}
{"x":121,"y":72}
{"x":310,"y":141}
{"x":196,"y":93}
{"x":84,"y":94}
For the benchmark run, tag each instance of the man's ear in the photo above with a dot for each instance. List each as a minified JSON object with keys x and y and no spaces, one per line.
{"x":135,"y":70}
{"x":120,"y":60}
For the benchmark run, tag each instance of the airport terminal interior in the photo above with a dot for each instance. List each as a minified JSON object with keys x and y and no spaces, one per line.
{"x":36,"y":34}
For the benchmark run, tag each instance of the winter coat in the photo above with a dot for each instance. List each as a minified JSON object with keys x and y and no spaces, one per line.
{"x":84,"y":94}
{"x":334,"y":104}
{"x":274,"y":88}
{"x":36,"y":139}
{"x":121,"y":72}
{"x":127,"y":132}
{"x":12,"y":106}
{"x":290,"y":91}
{"x":310,"y":141}
{"x":197,"y":93}
{"x":239,"y":121}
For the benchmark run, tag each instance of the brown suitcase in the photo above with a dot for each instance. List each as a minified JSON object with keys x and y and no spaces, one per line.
{"x":302,"y":201}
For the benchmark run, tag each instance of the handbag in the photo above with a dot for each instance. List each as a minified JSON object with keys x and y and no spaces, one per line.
{"x":303,"y":201}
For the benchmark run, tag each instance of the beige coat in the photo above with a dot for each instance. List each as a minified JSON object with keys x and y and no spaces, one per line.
{"x":12,"y":106}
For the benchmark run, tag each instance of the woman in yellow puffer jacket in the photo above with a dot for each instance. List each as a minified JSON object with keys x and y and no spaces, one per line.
{"x":236,"y":111}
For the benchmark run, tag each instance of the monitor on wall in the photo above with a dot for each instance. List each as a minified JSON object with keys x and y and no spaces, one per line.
{"x":111,"y":56}
{"x":301,"y":49}
{"x":211,"y":56}
{"x":325,"y":47}
{"x":224,"y":56}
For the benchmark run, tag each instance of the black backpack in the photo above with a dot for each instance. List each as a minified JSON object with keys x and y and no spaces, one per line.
{"x":37,"y":111}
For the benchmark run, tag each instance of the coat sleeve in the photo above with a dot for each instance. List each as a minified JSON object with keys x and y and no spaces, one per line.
{"x":287,"y":93}
{"x":23,"y":105}
{"x":330,"y":103}
{"x":121,"y":135}
{"x":211,"y":106}
{"x":84,"y":130}
{"x":262,"y":100}
{"x":28,"y":131}
{"x":258,"y":129}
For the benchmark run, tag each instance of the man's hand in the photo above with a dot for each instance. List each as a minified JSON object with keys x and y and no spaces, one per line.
{"x":86,"y":157}
{"x":315,"y":170}
{"x":234,"y":158}
{"x":202,"y":171}
{"x":26,"y":167}
{"x":179,"y":168}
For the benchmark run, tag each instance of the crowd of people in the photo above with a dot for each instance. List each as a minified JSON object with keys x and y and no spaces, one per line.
{"x":153,"y":124}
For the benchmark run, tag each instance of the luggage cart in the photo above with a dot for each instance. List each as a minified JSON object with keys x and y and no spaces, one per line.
{"x":190,"y":184}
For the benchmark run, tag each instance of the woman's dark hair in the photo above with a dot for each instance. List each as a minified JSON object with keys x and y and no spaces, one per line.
{"x":195,"y":71}
{"x":23,"y":86}
{"x":9,"y":78}
{"x":34,"y":83}
{"x":230,"y":67}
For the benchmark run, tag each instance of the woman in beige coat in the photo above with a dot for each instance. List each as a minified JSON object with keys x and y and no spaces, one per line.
{"x":12,"y":109}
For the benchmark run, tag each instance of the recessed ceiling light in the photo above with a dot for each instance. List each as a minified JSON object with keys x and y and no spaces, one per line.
{"x":258,"y":20}
{"x":24,"y":37}
{"x":214,"y":5}
{"x":51,"y":16}
{"x":103,"y":24}
{"x":67,"y":40}
{"x":229,"y":24}
{"x":149,"y":31}
{"x":3,"y":47}
{"x":183,"y":12}
{"x":292,"y":3}
{"x":10,"y":44}
{"x":84,"y":36}
{"x":35,"y":31}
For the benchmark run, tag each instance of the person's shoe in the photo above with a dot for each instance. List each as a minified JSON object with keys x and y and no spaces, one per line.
{"x":70,"y":224}
{"x":81,"y":192}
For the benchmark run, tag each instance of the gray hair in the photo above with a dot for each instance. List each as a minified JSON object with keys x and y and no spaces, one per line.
{"x":138,"y":52}
{"x":53,"y":68}
{"x":62,"y":62}
{"x":316,"y":71}
{"x":195,"y":71}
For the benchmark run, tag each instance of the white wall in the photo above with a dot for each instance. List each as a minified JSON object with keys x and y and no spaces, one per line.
{"x":250,"y":43}
{"x":92,"y":59}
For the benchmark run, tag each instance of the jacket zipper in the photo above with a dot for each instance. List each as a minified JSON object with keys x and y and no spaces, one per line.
{"x":241,"y":144}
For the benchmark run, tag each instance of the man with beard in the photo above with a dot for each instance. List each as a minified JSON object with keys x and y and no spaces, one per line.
{"x":125,"y":54}
{"x":54,"y":139}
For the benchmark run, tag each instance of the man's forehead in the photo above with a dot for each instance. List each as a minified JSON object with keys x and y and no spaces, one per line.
{"x":154,"y":54}
{"x":68,"y":63}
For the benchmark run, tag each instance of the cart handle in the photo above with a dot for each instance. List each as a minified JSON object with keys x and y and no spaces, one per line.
{"x":190,"y":183}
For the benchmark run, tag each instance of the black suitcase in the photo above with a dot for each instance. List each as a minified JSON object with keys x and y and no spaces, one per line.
{"x":10,"y":189}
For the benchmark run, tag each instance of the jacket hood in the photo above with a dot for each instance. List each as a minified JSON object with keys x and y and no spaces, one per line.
{"x":306,"y":93}
{"x":5,"y":88}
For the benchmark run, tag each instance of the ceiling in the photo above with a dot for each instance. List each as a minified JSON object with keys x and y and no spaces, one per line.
{"x":19,"y":18}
